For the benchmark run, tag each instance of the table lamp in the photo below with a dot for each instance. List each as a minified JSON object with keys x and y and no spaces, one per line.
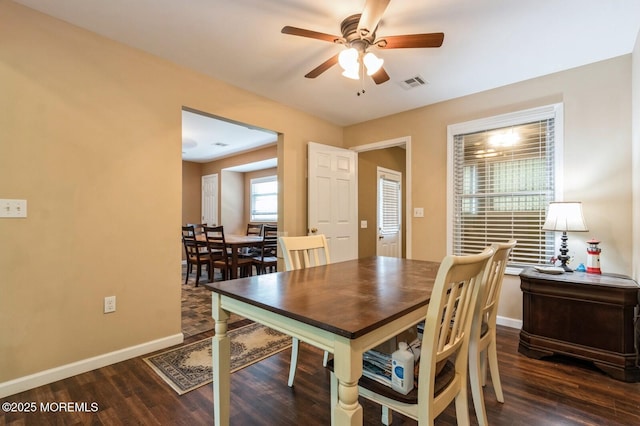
{"x":566,"y":217}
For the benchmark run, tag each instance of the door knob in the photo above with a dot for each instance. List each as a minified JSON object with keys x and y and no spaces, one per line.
{"x":380,"y":237}
{"x":314,"y":230}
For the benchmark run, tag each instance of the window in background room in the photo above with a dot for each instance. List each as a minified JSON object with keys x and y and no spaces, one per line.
{"x":503,"y":173}
{"x":264,"y":199}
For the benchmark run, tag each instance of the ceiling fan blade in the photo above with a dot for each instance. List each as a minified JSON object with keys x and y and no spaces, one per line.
{"x":322,"y":67}
{"x":380,"y":76}
{"x":309,"y":34}
{"x":410,"y":41}
{"x":371,"y":15}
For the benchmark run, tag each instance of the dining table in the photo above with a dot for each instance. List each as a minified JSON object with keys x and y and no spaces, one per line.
{"x":235,"y":243}
{"x":345,"y":308}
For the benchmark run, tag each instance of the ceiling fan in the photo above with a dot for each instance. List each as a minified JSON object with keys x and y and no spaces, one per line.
{"x":358,"y":35}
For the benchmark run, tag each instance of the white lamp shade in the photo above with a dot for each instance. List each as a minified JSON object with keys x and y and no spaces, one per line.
{"x":565,"y":217}
{"x":348,"y":59}
{"x":372,"y":62}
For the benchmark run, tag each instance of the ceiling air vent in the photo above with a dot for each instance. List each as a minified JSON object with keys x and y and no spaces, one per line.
{"x":413,"y":82}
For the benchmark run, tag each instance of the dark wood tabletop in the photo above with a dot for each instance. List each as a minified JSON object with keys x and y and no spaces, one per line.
{"x":348,"y":298}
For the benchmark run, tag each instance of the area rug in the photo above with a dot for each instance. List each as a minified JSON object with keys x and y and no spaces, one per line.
{"x":190,"y":366}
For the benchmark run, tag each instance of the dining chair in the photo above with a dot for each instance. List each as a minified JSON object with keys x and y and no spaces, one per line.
{"x":254,"y":229}
{"x":299,"y":253}
{"x":482,"y":346}
{"x":443,"y":365}
{"x":219,"y":254}
{"x":196,"y":254}
{"x":198,"y":227}
{"x":266,"y":259}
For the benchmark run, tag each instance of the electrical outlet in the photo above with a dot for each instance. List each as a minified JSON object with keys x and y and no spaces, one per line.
{"x":418,"y":212}
{"x":109,"y":304}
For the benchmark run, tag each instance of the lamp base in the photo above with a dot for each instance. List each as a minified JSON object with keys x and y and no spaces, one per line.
{"x":564,"y":257}
{"x":565,"y":267}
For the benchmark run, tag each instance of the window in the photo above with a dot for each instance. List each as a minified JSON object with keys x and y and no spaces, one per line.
{"x":264,"y":199}
{"x":503,"y":173}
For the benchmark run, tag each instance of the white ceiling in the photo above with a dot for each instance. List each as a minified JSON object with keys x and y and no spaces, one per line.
{"x":487,"y":44}
{"x":205,"y":138}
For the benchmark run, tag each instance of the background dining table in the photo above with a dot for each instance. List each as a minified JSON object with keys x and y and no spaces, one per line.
{"x":235,"y":243}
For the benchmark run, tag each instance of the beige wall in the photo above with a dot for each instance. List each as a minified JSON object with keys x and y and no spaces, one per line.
{"x":191,"y":192}
{"x":368,"y":162}
{"x":597,"y":152}
{"x":232,"y":202}
{"x":90,"y":135}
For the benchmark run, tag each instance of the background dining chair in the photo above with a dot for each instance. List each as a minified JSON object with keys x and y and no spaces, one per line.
{"x":219,"y":254}
{"x":254,"y":229}
{"x":299,"y":253}
{"x":443,"y":365}
{"x":198,"y":227}
{"x":196,"y":254}
{"x":266,"y":259}
{"x":482,"y":346}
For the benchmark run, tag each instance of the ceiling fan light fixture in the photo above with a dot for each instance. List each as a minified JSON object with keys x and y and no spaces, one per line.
{"x":372,"y":63}
{"x":348,"y":59}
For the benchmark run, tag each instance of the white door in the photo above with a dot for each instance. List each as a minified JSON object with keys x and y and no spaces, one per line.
{"x":210,"y":199}
{"x":389,"y":213}
{"x":333,"y":199}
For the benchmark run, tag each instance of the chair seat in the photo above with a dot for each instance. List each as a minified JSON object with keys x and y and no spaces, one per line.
{"x":445,"y":377}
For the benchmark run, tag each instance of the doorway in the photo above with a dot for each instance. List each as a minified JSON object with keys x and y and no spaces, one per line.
{"x":367,"y":209}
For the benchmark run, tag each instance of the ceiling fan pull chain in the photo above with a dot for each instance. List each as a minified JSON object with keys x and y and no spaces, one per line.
{"x":361,"y":92}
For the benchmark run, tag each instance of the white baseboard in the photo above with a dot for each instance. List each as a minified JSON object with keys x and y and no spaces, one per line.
{"x":62,"y":372}
{"x":509,"y":322}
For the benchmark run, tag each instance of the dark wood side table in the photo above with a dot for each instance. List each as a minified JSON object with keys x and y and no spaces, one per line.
{"x":586,"y":316}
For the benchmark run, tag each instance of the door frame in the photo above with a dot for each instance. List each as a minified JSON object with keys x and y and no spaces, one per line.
{"x":389,"y":143}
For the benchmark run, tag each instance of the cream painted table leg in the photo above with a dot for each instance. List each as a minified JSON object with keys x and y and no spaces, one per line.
{"x":221,"y":355}
{"x":348,"y":369}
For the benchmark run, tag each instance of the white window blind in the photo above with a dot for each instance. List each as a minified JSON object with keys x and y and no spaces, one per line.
{"x":264,"y":199}
{"x":389,"y":206}
{"x":503,"y":181}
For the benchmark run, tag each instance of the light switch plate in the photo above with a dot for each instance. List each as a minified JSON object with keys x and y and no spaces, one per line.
{"x":363,"y":224}
{"x":418,"y":212}
{"x":12,"y":208}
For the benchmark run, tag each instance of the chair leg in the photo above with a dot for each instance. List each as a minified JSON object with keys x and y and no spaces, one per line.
{"x":475,"y":378}
{"x":186,"y":276}
{"x":493,"y":368}
{"x":198,"y":271}
{"x":294,"y":361}
{"x":462,"y":407}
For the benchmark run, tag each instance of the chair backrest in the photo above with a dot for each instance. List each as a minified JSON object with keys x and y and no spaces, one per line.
{"x":216,"y":242}
{"x":197,"y":227}
{"x":191,"y":245}
{"x":494,"y":276}
{"x":254,"y":229}
{"x":304,"y":252}
{"x":269,"y":241}
{"x":448,"y":322}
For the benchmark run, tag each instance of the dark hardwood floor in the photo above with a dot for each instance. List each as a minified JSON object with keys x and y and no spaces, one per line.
{"x":537,"y":392}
